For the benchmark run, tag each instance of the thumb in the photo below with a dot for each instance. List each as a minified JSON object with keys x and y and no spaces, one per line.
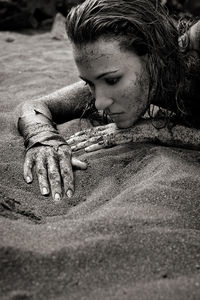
{"x":79,"y":164}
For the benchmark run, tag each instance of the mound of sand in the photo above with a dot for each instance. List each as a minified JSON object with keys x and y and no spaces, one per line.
{"x":131,"y":231}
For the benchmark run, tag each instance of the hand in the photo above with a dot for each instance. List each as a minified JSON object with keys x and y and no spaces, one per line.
{"x":109,"y":135}
{"x":95,"y":138}
{"x":53,"y":168}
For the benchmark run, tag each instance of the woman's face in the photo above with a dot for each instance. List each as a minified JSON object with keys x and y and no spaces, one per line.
{"x":117,"y":79}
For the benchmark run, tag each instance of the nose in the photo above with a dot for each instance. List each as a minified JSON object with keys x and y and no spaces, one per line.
{"x":102,"y":101}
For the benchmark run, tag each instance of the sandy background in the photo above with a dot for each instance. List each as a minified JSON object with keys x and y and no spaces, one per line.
{"x":131,"y":231}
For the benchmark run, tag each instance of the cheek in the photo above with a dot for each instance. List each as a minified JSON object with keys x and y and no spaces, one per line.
{"x":141,"y":92}
{"x":134,"y":96}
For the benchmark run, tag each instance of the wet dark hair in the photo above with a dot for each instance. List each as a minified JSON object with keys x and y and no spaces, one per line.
{"x":143,"y":27}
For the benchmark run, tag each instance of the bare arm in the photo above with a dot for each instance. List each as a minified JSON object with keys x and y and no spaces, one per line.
{"x":62,"y":105}
{"x":143,"y":131}
{"x":69,"y":102}
{"x":52,"y":156}
{"x":46,"y":148}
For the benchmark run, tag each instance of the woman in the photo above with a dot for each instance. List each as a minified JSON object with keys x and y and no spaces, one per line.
{"x":129,"y":55}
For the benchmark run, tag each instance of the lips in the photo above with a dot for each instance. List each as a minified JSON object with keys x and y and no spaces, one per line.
{"x":115,"y":114}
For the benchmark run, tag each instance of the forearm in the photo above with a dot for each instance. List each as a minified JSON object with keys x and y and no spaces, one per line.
{"x":36,"y":120}
{"x":180,"y":136}
{"x":177,"y":136}
{"x":61,"y":106}
{"x":144,"y":131}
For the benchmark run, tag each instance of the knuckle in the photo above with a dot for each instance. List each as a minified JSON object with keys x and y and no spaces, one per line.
{"x":43,"y":151}
{"x":41,"y":171}
{"x":55,"y":185}
{"x":67,"y":174}
{"x":40,"y":161}
{"x":68,"y":155}
{"x":65,"y":150}
{"x":65,"y":158}
{"x":54,"y":176}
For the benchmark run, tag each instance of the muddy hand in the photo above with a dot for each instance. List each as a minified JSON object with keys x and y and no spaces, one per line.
{"x":99,"y":137}
{"x":54,"y":169}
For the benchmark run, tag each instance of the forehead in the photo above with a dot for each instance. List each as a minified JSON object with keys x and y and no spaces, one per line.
{"x":102,"y":54}
{"x":96,"y":50}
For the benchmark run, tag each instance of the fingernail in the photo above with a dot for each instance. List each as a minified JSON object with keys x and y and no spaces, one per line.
{"x":28,"y":179}
{"x":57,"y":197}
{"x":83,"y":165}
{"x":69,"y":193}
{"x":45,"y":191}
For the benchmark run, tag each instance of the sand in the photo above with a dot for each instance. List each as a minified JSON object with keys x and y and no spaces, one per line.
{"x":131,"y":231}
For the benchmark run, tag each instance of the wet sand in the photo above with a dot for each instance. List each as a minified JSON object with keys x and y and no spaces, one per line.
{"x":131,"y":231}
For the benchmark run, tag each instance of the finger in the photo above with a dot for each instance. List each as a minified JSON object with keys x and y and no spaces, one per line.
{"x":81,"y":132}
{"x":74,"y":140}
{"x":28,"y":166}
{"x":54,"y":177}
{"x":79,"y":146}
{"x":86,"y":134}
{"x":41,"y":171}
{"x":87,"y":143}
{"x":79,"y":164}
{"x":66,"y":172}
{"x":82,"y":136}
{"x":108,"y":142}
{"x":106,"y":128}
{"x":95,"y":147}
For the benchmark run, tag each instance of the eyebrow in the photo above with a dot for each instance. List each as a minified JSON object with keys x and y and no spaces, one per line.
{"x":100,"y":76}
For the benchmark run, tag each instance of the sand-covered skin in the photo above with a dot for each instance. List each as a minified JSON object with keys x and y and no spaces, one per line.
{"x":131,"y":231}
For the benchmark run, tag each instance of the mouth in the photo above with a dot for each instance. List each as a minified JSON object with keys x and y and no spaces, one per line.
{"x":115,"y":114}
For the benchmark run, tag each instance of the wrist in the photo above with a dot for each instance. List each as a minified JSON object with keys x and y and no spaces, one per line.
{"x":35,"y":117}
{"x":147,"y":130}
{"x":38,"y":129}
{"x":42,"y":134}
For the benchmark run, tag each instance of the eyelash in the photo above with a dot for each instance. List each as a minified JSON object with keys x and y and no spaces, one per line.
{"x":109,"y":81}
{"x":112,"y":81}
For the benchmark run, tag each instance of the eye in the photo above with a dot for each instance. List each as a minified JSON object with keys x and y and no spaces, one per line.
{"x":112,"y":81}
